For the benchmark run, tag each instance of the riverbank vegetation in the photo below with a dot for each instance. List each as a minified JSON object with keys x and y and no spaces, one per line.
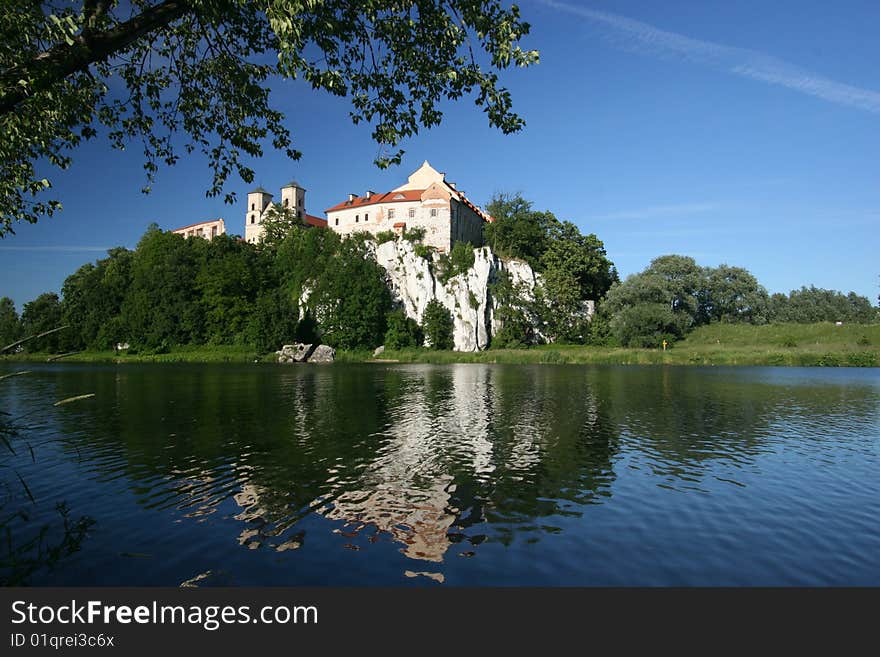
{"x":222,"y":300}
{"x":823,"y":344}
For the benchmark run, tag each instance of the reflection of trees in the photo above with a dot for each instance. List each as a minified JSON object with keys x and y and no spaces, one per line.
{"x":410,"y":451}
{"x":685,"y":420}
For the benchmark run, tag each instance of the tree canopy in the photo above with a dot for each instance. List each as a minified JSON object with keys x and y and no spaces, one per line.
{"x":148,"y":70}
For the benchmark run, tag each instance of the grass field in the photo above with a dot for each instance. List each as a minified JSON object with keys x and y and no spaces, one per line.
{"x":855,"y":345}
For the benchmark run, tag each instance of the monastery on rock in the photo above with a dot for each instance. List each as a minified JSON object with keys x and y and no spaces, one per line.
{"x":425,"y":201}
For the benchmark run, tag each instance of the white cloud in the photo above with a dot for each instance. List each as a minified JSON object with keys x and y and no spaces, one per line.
{"x":659,"y":211}
{"x":739,"y":61}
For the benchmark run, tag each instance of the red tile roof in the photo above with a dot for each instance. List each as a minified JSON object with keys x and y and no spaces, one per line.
{"x":387,"y":197}
{"x":312,"y":220}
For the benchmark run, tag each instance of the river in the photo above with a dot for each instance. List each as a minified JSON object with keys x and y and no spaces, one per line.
{"x":449,"y":475}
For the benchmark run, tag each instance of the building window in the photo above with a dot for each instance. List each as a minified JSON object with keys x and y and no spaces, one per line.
{"x":357,"y":218}
{"x":252,"y":218}
{"x":433,"y":212}
{"x":286,"y":202}
{"x":213,"y":232}
{"x":391,"y":213}
{"x":253,"y":206}
{"x":412,"y":213}
{"x":337,"y":221}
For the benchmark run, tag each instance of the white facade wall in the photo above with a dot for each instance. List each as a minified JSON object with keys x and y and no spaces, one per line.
{"x":378,"y":217}
{"x":206,"y":229}
{"x":466,"y":225}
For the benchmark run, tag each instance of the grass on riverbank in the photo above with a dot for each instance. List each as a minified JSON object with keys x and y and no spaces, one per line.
{"x":183,"y":354}
{"x":854,"y":345}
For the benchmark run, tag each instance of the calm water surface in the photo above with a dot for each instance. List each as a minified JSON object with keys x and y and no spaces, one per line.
{"x":453,"y":475}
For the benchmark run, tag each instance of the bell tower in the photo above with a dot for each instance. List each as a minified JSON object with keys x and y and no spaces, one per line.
{"x":257,"y":202}
{"x":293,"y":198}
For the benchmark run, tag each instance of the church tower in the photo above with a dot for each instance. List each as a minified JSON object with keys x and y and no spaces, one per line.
{"x":293,"y":198}
{"x":258,"y":201}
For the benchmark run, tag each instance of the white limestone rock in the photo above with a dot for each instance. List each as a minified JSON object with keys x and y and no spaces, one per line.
{"x":322,"y":354}
{"x":467,"y":296}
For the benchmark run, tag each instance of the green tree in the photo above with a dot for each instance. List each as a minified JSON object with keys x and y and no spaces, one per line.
{"x":150,"y":69}
{"x":646,"y":325}
{"x":350,"y":298}
{"x":402,"y":331}
{"x":41,"y":315}
{"x":732,"y":294}
{"x":672,"y":281}
{"x":10,"y":326}
{"x":812,"y":304}
{"x":515,"y":311}
{"x":438,"y":326}
{"x":518,"y":231}
{"x":576,"y":269}
{"x":230,"y":275}
{"x":161,"y":308}
{"x":92,"y":301}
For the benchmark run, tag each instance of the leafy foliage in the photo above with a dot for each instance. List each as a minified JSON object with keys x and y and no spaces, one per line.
{"x":166,"y":72}
{"x":10,"y":326}
{"x":402,"y":331}
{"x":41,"y":315}
{"x":515,"y":312}
{"x":518,"y":231}
{"x":438,"y":325}
{"x":459,"y":260}
{"x":812,"y":304}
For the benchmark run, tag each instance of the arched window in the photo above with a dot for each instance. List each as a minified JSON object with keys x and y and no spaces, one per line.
{"x":286,"y":202}
{"x":252,"y":218}
{"x":253,"y":206}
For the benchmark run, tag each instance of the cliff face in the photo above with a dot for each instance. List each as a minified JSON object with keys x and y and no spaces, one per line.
{"x":414,"y":282}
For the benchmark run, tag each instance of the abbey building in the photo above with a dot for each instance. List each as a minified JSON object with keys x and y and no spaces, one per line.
{"x":427,"y":201}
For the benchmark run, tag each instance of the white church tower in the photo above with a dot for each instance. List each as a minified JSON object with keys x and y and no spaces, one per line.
{"x":293,"y":198}
{"x":258,"y":201}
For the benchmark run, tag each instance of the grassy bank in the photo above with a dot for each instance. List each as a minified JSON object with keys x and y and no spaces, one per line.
{"x":824,"y":345}
{"x":185,"y":354}
{"x":721,"y":344}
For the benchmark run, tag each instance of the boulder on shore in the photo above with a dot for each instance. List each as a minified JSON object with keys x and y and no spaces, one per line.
{"x":322,"y":354}
{"x":305,"y":353}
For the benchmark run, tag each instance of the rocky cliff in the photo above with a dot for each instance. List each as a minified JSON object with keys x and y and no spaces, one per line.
{"x":414,"y":281}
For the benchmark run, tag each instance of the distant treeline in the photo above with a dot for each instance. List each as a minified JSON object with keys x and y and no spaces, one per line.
{"x":311,"y":284}
{"x":674,"y":294}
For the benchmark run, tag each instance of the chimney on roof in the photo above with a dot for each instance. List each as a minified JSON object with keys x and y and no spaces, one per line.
{"x":369,"y":194}
{"x":351,"y":197}
{"x":451,"y":185}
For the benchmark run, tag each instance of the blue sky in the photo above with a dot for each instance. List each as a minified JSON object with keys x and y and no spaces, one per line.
{"x":745,"y":133}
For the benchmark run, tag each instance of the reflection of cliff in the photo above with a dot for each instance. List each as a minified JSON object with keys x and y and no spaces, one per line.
{"x":469,"y":444}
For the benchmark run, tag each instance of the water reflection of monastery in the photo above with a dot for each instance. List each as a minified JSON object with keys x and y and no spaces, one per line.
{"x":443,"y":423}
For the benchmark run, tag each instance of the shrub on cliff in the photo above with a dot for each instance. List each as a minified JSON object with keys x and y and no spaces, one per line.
{"x":438,"y":326}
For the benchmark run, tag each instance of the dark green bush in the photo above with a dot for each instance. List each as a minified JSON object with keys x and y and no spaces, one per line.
{"x":438,"y":326}
{"x":402,"y":331}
